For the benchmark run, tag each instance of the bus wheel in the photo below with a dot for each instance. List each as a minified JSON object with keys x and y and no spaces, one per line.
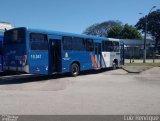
{"x":114,"y":66}
{"x":74,"y":69}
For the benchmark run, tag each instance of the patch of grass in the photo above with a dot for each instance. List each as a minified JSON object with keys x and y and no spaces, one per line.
{"x":143,"y":64}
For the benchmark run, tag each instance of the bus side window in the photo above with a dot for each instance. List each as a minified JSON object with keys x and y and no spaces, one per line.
{"x":105,"y":46}
{"x":78,"y":44}
{"x":116,"y":46}
{"x":38,"y":41}
{"x":67,"y":43}
{"x":108,"y":46}
{"x":89,"y":45}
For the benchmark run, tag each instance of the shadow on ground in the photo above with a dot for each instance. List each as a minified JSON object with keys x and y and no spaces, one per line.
{"x":10,"y":77}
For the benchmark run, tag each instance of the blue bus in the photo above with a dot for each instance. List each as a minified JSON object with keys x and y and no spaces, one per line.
{"x":1,"y":48}
{"x":46,"y":52}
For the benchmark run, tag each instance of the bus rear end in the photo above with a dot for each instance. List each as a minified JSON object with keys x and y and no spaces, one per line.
{"x":14,"y":50}
{"x":1,"y":46}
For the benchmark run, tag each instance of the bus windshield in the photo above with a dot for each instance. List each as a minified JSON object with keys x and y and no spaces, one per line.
{"x":14,"y":36}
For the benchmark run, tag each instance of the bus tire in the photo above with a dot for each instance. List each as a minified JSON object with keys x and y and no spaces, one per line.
{"x":75,"y":69}
{"x":115,"y":64}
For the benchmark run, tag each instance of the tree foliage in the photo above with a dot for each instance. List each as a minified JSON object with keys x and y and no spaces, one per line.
{"x":100,"y":29}
{"x":130,"y":32}
{"x":113,"y":29}
{"x":124,"y":32}
{"x":153,"y":24}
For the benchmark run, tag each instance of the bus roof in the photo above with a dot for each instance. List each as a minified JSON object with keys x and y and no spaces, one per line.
{"x":114,"y":39}
{"x":51,"y":32}
{"x":68,"y":34}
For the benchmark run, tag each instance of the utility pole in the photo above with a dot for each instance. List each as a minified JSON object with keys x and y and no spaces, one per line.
{"x":145,"y":36}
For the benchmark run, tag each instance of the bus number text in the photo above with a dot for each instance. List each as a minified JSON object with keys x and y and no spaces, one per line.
{"x":36,"y":56}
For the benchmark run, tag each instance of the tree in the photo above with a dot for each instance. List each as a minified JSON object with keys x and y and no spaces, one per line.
{"x":153,"y":25}
{"x":130,"y":32}
{"x":115,"y":31}
{"x":124,"y":32}
{"x":100,"y":29}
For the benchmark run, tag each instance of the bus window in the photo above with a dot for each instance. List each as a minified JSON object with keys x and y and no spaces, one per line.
{"x":89,"y":45}
{"x":67,"y":43}
{"x":104,"y":46}
{"x":107,"y":46}
{"x":78,"y":44}
{"x":38,"y":41}
{"x":14,"y":36}
{"x":116,"y":46}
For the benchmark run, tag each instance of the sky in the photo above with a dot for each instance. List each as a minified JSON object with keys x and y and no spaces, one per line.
{"x":72,"y":15}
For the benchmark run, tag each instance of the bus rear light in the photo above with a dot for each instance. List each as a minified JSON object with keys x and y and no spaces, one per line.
{"x":24,"y":60}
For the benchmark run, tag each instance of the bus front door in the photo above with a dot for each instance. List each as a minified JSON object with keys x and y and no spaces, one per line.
{"x":54,"y":54}
{"x":98,"y":56}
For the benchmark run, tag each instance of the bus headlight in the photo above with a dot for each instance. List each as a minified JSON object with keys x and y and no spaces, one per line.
{"x":46,"y":68}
